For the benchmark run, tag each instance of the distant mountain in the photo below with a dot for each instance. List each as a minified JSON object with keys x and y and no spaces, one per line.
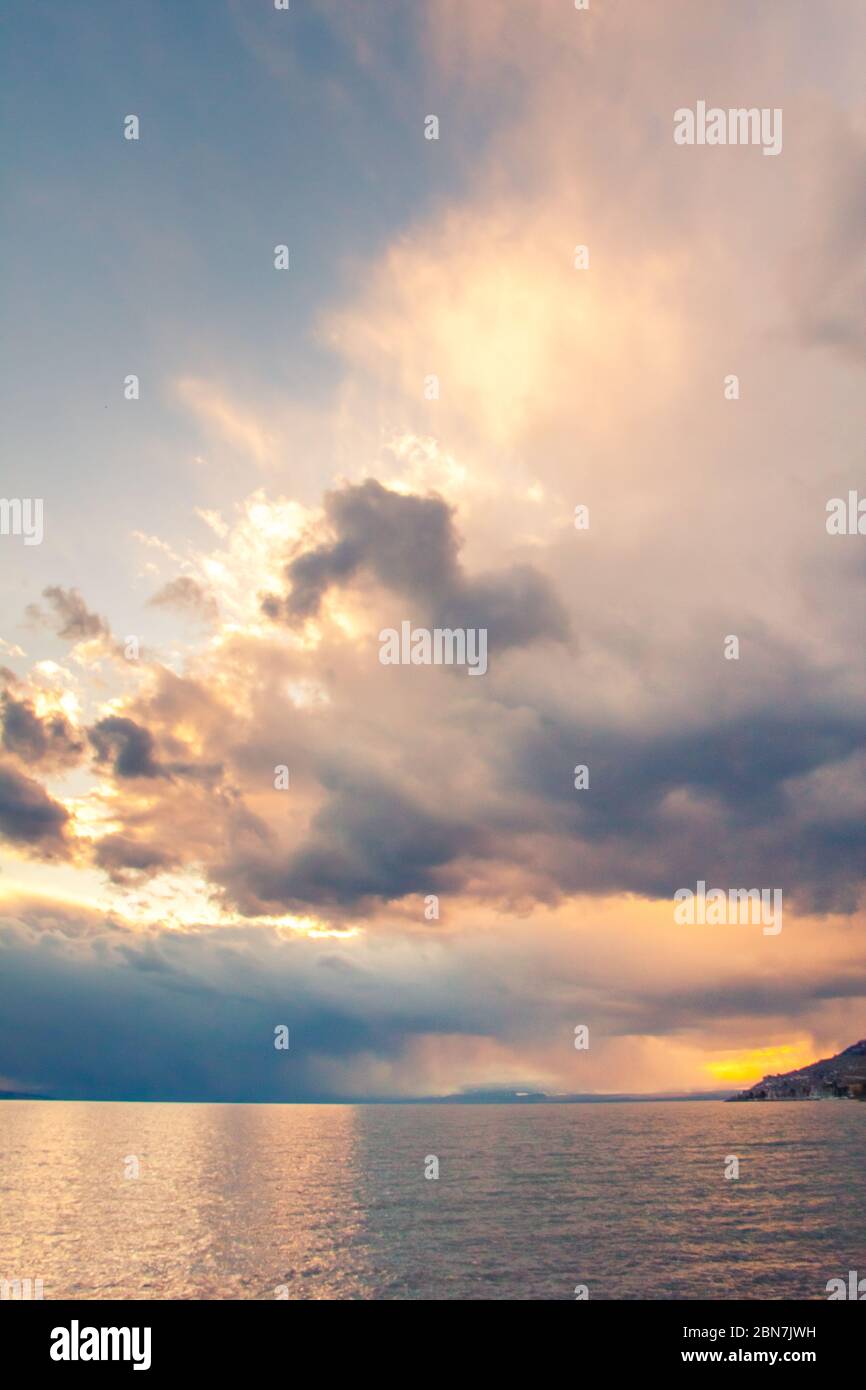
{"x":836,"y":1078}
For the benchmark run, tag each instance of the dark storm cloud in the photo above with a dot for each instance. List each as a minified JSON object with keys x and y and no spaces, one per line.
{"x":745,"y":762}
{"x":369,"y":841}
{"x":746,"y":816}
{"x":131,"y":750}
{"x":768,"y":798}
{"x":129,"y":746}
{"x":409,"y":545}
{"x":192,"y":1016}
{"x":70,"y":617}
{"x":28,"y":815}
{"x":122,"y":857}
{"x":33,"y":739}
{"x":727,"y":999}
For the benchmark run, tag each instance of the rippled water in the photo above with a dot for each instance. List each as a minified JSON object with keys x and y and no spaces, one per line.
{"x":234,"y":1201}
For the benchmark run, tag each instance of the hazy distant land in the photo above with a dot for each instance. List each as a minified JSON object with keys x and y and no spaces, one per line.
{"x":842,"y":1077}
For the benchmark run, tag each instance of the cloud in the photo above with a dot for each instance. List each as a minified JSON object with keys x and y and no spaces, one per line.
{"x":71,"y":618}
{"x":369,"y":840}
{"x":50,"y":739}
{"x":410,"y":546}
{"x":128,"y":746}
{"x":131,"y":750}
{"x":29,"y":817}
{"x":827,"y":275}
{"x":735,"y":804}
{"x":558,"y":386}
{"x":227,"y":420}
{"x":406,"y":782}
{"x":124,"y":858}
{"x":494,"y":1003}
{"x":185,"y":594}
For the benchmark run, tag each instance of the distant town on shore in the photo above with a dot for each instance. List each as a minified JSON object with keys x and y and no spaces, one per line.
{"x":842,"y":1077}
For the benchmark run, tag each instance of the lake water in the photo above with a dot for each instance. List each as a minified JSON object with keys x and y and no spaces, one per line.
{"x":331,"y":1201}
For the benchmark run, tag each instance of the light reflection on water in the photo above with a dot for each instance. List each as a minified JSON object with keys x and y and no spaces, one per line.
{"x":331,"y":1201}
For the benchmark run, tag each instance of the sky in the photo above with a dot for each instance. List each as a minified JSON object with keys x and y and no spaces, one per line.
{"x":221,"y":815}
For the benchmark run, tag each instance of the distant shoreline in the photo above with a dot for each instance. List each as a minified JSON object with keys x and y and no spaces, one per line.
{"x":377,"y":1100}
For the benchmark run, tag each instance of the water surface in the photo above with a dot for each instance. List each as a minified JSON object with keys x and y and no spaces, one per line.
{"x":331,"y":1201}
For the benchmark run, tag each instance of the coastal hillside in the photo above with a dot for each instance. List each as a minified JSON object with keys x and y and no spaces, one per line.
{"x":835,"y":1078}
